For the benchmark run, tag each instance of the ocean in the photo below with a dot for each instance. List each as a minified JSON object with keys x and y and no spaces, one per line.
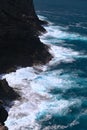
{"x":54,"y":96}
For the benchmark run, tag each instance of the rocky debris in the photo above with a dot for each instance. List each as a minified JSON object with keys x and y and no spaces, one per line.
{"x":6,"y":92}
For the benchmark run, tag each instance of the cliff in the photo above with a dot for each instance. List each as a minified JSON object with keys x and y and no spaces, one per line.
{"x":19,"y":30}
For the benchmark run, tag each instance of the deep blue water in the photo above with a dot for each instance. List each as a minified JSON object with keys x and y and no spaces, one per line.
{"x":68,"y":32}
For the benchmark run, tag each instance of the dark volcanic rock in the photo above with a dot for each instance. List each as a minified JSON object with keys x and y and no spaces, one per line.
{"x":3,"y":127}
{"x":19,"y":30}
{"x":6,"y":92}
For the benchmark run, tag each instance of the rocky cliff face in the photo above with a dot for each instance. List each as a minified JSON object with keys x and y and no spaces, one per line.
{"x":19,"y":30}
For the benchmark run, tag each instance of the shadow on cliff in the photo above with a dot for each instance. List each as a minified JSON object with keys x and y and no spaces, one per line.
{"x":19,"y":31}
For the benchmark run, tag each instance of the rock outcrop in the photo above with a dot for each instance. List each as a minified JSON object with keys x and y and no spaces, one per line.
{"x":6,"y":92}
{"x":19,"y":30}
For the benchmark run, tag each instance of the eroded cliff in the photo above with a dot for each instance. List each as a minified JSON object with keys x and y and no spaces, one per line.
{"x":19,"y":30}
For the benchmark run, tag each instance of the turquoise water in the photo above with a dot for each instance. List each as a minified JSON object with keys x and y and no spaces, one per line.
{"x":54,"y":95}
{"x":66,"y":78}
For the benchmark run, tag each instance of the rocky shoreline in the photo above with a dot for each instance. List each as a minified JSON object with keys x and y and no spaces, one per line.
{"x":20,"y":45}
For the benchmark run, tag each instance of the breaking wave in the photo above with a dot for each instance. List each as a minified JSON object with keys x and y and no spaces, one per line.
{"x":45,"y":103}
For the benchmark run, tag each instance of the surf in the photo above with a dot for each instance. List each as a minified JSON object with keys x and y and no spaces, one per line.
{"x":43,"y":88}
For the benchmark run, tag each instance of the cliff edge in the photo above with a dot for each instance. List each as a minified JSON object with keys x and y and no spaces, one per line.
{"x":19,"y":30}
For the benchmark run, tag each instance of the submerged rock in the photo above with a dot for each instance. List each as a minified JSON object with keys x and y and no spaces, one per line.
{"x":19,"y":30}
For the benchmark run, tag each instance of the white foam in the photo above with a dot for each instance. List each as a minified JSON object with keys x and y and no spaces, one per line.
{"x":57,"y":35}
{"x":62,"y":54}
{"x":35,"y":83}
{"x":61,"y":33}
{"x":42,"y":17}
{"x":20,"y":75}
{"x":35,"y":98}
{"x":61,"y":127}
{"x":60,"y":107}
{"x":49,"y":81}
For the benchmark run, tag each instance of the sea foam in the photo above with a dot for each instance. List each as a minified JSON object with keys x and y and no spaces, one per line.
{"x":35,"y":85}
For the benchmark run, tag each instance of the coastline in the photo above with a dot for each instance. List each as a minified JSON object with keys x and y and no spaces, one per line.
{"x":20,"y":45}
